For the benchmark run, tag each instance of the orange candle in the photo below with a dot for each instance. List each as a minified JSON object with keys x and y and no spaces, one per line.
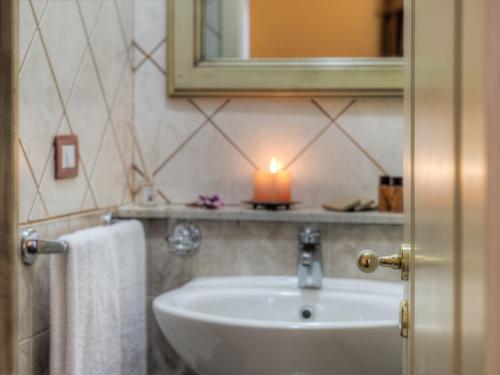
{"x":273,"y":186}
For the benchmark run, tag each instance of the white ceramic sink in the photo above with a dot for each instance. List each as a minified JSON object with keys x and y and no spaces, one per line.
{"x":256,"y":326}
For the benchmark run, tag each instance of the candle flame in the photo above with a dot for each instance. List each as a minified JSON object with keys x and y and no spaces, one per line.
{"x":274,"y":166}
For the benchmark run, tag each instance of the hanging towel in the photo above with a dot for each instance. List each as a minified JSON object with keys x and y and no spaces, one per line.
{"x":92,"y":318}
{"x":129,"y":235}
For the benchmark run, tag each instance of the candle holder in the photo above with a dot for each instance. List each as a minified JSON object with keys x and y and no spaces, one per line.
{"x":271,"y":206}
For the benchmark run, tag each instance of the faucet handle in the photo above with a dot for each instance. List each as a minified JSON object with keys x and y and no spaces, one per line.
{"x":309,"y":236}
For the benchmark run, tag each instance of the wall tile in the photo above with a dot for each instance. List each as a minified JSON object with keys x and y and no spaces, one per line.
{"x":40,"y":110}
{"x":109,"y":172}
{"x":378,"y":126}
{"x":333,"y":168}
{"x":109,"y":48}
{"x":41,"y":353}
{"x":334,"y":106}
{"x":167,"y":271}
{"x":218,"y":168}
{"x":39,"y":6}
{"x":27,"y":28}
{"x":265,"y":128}
{"x":162,"y":123}
{"x":344,"y":242}
{"x":27,"y":187}
{"x":150,"y":22}
{"x":65,"y":39}
{"x":39,"y":211}
{"x":90,"y":10}
{"x":24,"y":358}
{"x":62,"y":196}
{"x":25,"y":279}
{"x":87,"y":112}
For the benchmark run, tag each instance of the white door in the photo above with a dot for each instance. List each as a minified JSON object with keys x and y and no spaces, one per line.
{"x":452,"y":101}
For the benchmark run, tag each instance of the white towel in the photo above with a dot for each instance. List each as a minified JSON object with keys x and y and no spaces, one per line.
{"x":91,"y":310}
{"x":129,"y":235}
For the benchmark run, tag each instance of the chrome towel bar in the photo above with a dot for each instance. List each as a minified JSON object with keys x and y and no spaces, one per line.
{"x":31,"y":246}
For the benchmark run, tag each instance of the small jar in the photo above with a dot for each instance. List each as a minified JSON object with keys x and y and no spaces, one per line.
{"x":385,"y":191}
{"x":397,"y":202}
{"x":148,"y":195}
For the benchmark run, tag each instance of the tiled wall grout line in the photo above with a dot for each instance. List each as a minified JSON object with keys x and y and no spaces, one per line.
{"x":89,"y":31}
{"x":179,"y":148}
{"x":192,"y":135}
{"x":122,"y":31}
{"x":211,"y":121}
{"x":317,"y":137}
{"x":351,"y":138}
{"x":69,"y":216}
{"x":148,"y":57}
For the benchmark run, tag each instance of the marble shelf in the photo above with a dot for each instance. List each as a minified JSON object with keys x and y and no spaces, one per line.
{"x":243,"y":213}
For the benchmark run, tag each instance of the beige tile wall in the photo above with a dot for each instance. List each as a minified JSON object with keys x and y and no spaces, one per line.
{"x":333,"y":147}
{"x":75,"y":77}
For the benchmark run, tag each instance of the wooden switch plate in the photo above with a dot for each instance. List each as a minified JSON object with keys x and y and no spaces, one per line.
{"x":67,"y":156}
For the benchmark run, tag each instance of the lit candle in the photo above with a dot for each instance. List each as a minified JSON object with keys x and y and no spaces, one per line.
{"x":273,"y":186}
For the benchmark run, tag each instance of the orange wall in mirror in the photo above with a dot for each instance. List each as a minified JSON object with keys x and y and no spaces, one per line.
{"x":315,"y":28}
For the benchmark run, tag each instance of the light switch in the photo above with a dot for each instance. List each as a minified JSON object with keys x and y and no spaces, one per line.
{"x":67,"y":156}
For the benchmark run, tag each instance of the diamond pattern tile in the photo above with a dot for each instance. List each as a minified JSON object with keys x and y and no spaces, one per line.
{"x":218,"y":168}
{"x":109,"y":174}
{"x":150,"y":23}
{"x":162,"y":123}
{"x":90,"y":10}
{"x":334,"y":168}
{"x":62,"y":197}
{"x":27,"y":28}
{"x":264,"y":128}
{"x":377,"y":125}
{"x":126,"y":16}
{"x":210,"y":106}
{"x":58,"y":75}
{"x":87,"y":112}
{"x":27,"y":187}
{"x":40,"y":110}
{"x":334,"y":106}
{"x":65,"y":40}
{"x":88,"y":201}
{"x":160,"y":56}
{"x":121,"y":115}
{"x":109,"y":48}
{"x":39,"y":7}
{"x":39,"y":211}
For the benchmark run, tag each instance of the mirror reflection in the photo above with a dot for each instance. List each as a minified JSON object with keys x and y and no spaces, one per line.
{"x":267,"y":29}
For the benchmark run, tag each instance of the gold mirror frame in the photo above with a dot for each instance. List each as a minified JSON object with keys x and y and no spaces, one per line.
{"x":189,"y":75}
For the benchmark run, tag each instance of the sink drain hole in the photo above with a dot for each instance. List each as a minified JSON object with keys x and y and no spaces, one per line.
{"x":306,"y":313}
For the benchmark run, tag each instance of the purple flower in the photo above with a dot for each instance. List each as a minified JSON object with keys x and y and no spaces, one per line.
{"x":210,"y":202}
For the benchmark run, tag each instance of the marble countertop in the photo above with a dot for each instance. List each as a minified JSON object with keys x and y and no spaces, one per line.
{"x":243,"y":213}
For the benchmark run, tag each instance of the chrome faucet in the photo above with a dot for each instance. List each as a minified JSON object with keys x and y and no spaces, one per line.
{"x":310,"y":268}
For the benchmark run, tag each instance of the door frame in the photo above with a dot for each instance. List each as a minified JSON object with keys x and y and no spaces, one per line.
{"x":9,"y":257}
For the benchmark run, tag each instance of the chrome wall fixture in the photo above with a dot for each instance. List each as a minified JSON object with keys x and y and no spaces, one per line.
{"x":32,"y":246}
{"x":185,"y":239}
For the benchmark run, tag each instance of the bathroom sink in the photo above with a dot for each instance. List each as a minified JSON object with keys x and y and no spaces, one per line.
{"x":267,"y":326}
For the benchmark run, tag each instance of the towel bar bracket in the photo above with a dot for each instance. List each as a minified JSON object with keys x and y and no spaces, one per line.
{"x":31,"y":246}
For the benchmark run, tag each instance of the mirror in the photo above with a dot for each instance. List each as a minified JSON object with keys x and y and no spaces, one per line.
{"x":285,"y":47}
{"x":291,"y":29}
